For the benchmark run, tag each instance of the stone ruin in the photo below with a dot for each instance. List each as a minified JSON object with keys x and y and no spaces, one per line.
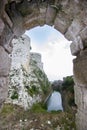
{"x":67,"y":16}
{"x":25,"y":85}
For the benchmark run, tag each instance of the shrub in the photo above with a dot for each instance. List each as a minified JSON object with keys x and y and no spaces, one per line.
{"x":68,"y":84}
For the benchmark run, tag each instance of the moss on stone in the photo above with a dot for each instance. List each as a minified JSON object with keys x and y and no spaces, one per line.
{"x":33,"y":90}
{"x":14,"y":95}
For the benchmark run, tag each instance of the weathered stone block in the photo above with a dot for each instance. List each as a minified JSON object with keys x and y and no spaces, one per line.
{"x":83,"y":35}
{"x":7,"y":19}
{"x":3,"y":89}
{"x":80,"y":69}
{"x":5,"y":62}
{"x":81,"y":120}
{"x":76,"y":46}
{"x":2,"y":25}
{"x":79,"y":96}
{"x":61,"y":23}
{"x":50,"y":15}
{"x":85,"y":98}
{"x":31,"y":21}
{"x":42,"y":16}
{"x":6,"y":38}
{"x":73,"y":30}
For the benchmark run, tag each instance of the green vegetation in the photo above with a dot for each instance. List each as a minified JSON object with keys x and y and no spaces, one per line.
{"x":14,"y":95}
{"x":43,"y":80}
{"x":11,"y":115}
{"x":68,"y":84}
{"x":68,"y":88}
{"x":33,"y":90}
{"x":7,"y":109}
{"x":38,"y":108}
{"x":38,"y":82}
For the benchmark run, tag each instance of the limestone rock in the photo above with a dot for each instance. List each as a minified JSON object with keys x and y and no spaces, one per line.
{"x":71,"y":20}
{"x":6,"y":38}
{"x":61,"y":23}
{"x":3,"y":89}
{"x":73,"y":30}
{"x":50,"y":18}
{"x":81,"y":120}
{"x":21,"y":52}
{"x":76,"y":46}
{"x":79,"y":72}
{"x":37,"y":58}
{"x":28,"y":82}
{"x":6,"y":17}
{"x":42,"y":16}
{"x":5,"y":62}
{"x":1,"y":26}
{"x":83,"y":35}
{"x":79,"y":96}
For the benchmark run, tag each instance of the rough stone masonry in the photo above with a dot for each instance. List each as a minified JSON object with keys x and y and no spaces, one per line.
{"x":25,"y":85}
{"x":69,"y":17}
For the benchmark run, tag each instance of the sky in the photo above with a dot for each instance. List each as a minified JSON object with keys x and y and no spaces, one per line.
{"x":55,"y":51}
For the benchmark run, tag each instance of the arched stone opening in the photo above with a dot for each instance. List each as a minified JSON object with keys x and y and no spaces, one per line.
{"x":69,"y":17}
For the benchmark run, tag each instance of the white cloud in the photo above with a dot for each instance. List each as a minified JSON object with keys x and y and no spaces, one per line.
{"x":56,"y":55}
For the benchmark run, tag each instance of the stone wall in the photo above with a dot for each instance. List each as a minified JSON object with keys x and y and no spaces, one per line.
{"x":20,"y":60}
{"x":67,"y":16}
{"x":27,"y":80}
{"x":21,"y":52}
{"x":80,"y":78}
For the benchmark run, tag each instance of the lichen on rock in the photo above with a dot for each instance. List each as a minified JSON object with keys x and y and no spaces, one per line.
{"x":28,"y":81}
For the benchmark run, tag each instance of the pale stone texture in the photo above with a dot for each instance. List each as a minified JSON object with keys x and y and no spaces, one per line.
{"x":61,"y":23}
{"x":83,"y":35}
{"x":5,"y":62}
{"x":80,"y":67}
{"x":80,"y":77}
{"x":6,"y":38}
{"x":21,"y":52}
{"x":74,"y":29}
{"x":76,"y":46}
{"x":20,"y":61}
{"x":3,"y":89}
{"x":37,"y":57}
{"x":26,"y":75}
{"x":79,"y":96}
{"x":81,"y":121}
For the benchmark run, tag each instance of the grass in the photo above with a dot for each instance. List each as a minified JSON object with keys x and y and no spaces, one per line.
{"x":7,"y":109}
{"x":38,"y":108}
{"x":10,"y":116}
